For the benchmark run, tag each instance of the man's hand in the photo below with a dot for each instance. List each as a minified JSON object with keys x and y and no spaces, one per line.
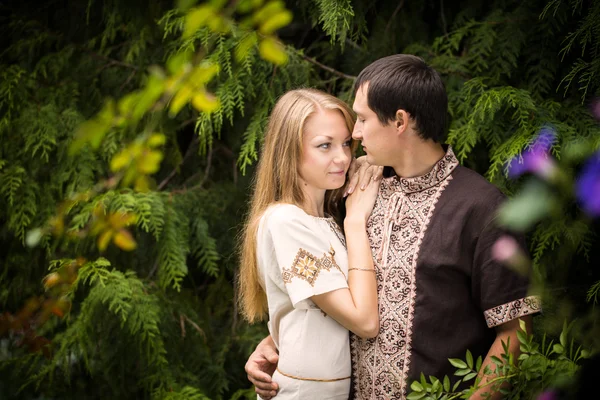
{"x":360,"y":173}
{"x":260,"y":367}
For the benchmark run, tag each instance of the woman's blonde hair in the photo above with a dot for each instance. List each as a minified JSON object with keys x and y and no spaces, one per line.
{"x":277,"y":181}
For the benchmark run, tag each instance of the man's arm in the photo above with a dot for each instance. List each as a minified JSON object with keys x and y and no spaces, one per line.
{"x":503,"y":333}
{"x":260,"y":367}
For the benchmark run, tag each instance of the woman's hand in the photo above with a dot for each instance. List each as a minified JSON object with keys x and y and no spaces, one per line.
{"x":360,"y":203}
{"x":360,"y":174}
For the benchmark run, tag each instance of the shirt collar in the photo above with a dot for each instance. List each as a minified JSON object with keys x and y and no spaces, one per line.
{"x":440,"y":171}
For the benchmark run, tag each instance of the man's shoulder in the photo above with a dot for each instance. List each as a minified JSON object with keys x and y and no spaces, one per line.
{"x":473,"y":188}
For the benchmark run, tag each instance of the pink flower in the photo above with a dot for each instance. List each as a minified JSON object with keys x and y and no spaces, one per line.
{"x":595,"y":108}
{"x":507,"y":251}
{"x":548,"y":395}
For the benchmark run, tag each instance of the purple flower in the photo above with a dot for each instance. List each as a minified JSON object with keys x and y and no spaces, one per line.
{"x":536,"y":158}
{"x":587,"y":187}
{"x":548,"y":395}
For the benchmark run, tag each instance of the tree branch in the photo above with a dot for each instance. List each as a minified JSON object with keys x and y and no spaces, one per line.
{"x":188,"y":153}
{"x":396,"y":11}
{"x":112,"y":61}
{"x":326,"y":68}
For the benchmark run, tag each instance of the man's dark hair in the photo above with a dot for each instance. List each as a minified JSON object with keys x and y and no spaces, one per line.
{"x":406,"y":82}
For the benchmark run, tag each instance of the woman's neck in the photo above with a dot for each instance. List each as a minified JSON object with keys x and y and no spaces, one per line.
{"x":314,"y":201}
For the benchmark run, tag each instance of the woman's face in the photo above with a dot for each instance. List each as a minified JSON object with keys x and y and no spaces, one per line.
{"x":326,"y":152}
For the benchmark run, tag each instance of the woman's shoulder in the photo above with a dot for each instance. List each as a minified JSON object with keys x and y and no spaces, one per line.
{"x":284,"y":214}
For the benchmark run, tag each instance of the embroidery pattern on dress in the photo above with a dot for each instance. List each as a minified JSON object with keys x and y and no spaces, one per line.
{"x":307,"y":266}
{"x":514,"y":309}
{"x":396,"y":229}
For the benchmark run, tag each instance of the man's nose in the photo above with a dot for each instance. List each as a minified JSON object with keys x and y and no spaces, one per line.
{"x":357,"y":133}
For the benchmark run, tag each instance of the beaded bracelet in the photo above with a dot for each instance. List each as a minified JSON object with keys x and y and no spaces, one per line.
{"x":362,"y":269}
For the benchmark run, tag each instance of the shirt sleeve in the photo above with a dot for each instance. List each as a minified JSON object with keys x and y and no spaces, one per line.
{"x":305,"y":261}
{"x":502,"y":292}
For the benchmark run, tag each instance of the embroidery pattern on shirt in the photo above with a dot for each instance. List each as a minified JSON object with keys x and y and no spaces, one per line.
{"x":307,"y":266}
{"x":338,"y":232}
{"x":514,"y":309}
{"x":396,"y":229}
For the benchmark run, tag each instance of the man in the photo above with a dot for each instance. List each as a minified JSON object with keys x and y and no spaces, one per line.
{"x":431,"y":232}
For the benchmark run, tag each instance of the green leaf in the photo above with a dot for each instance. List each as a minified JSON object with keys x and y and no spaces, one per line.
{"x":244,"y":46}
{"x":563,"y":337}
{"x":416,"y":386}
{"x":470,"y":376}
{"x":456,"y":385}
{"x":558,"y":349}
{"x":533,"y":203}
{"x":522,"y":325}
{"x":416,"y":395}
{"x":462,"y":372}
{"x":458,"y":363}
{"x":33,"y":237}
{"x":469,"y":359}
{"x":446,"y":383}
{"x":522,"y":336}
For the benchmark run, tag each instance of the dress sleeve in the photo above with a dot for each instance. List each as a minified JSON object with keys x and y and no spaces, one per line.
{"x":502,"y":292}
{"x":305,"y":261}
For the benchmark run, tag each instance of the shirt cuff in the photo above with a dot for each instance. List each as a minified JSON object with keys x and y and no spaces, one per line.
{"x":513,"y":309}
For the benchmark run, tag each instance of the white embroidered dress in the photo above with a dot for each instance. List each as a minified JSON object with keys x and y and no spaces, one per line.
{"x":300,"y":256}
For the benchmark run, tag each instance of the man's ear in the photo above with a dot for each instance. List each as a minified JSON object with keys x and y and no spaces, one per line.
{"x":402,"y":121}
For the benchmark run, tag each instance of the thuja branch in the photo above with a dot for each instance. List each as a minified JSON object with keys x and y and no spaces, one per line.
{"x":327,"y":68}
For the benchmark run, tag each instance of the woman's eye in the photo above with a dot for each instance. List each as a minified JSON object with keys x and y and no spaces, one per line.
{"x":325,"y":145}
{"x":348,"y":143}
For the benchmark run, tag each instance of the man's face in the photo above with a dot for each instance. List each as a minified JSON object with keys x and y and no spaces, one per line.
{"x":379,"y":141}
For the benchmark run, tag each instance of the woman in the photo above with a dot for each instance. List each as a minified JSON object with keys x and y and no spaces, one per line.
{"x":294,"y":262}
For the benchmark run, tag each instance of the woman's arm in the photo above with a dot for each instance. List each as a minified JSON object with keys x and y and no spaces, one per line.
{"x":356,"y":307}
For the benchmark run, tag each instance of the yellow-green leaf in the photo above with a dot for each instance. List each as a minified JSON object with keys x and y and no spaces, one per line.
{"x":197,"y":18}
{"x":205,"y":102}
{"x":219,"y":24}
{"x":203,"y":74}
{"x":181,"y":98}
{"x":120,"y":160}
{"x":177,"y":62}
{"x":142,"y":184}
{"x":273,"y":51}
{"x":104,"y":239}
{"x":149,"y":162}
{"x":120,"y":219}
{"x":156,"y":139}
{"x":271,"y":8}
{"x":124,"y":240}
{"x":276,"y":21}
{"x":148,"y":97}
{"x":127,"y":103}
{"x":92,"y":131}
{"x":245,"y":6}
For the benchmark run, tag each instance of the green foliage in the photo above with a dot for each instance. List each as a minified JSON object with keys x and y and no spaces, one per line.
{"x":161,"y":321}
{"x":539,"y":365}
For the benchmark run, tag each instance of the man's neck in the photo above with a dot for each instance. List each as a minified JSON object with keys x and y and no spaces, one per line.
{"x":418,"y":159}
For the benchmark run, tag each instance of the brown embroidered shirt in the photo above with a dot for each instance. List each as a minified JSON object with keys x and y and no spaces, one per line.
{"x":440,"y":291}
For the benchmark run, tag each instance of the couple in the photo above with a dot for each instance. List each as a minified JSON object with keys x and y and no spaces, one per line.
{"x":411,"y":275}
